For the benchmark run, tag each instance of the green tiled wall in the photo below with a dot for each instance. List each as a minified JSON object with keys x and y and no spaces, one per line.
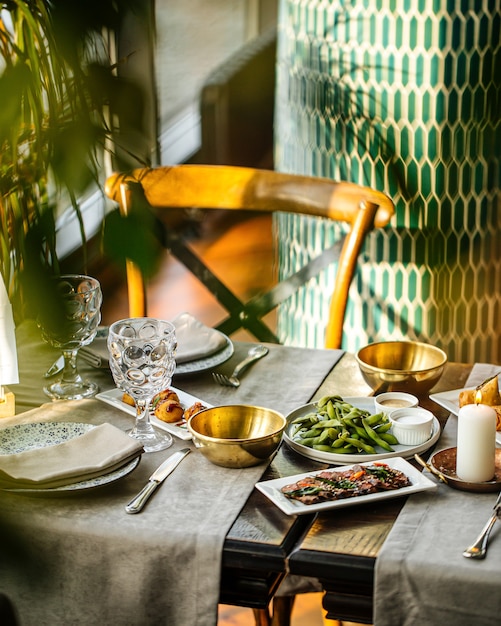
{"x":404,"y":96}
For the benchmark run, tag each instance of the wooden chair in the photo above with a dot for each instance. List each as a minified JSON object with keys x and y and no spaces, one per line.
{"x":248,"y":189}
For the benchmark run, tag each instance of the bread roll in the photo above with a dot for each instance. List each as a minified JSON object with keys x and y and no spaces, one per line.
{"x":490,"y":395}
{"x":498,"y":417}
{"x":193,"y":409}
{"x":467,"y":396}
{"x":128,"y":399}
{"x":489,"y":391}
{"x":166,"y":394}
{"x":169,"y":411}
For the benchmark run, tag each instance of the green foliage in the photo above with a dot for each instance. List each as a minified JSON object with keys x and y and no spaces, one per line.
{"x":58,"y":93}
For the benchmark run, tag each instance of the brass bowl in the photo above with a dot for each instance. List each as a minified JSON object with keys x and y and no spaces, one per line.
{"x":237,"y":435}
{"x":401,"y":366}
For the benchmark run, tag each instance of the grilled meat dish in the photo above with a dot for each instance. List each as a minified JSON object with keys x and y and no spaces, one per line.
{"x":359,"y":480}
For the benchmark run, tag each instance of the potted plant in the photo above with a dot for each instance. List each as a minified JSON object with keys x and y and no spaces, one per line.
{"x":62,"y":106}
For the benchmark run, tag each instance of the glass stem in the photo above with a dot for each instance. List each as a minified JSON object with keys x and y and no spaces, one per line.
{"x":70,"y":372}
{"x":143,"y":425}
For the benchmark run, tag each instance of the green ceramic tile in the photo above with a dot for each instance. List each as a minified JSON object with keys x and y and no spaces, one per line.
{"x":427,"y":132}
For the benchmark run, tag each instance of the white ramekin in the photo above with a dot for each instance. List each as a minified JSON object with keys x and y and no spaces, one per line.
{"x":412,"y":426}
{"x":383,"y":401}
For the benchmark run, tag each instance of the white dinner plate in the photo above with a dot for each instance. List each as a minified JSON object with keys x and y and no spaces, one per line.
{"x":178,"y":429}
{"x":366,"y":404}
{"x":189,"y":367}
{"x":15,"y":439}
{"x":271,"y":489}
{"x":450,"y":400}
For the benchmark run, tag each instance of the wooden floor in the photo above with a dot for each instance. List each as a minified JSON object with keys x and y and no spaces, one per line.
{"x":241,"y":251}
{"x":175,"y":290}
{"x":307,"y":611}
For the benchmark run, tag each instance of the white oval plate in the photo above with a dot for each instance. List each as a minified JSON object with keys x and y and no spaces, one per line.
{"x":366,"y":404}
{"x":15,"y":439}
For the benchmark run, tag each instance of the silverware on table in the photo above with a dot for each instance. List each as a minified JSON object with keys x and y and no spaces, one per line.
{"x":158,"y":476}
{"x":479,"y":549}
{"x":255,"y":353}
{"x":58,"y":365}
{"x":430,"y":468}
{"x":55,"y":368}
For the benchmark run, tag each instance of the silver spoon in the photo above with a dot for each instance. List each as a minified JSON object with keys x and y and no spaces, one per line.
{"x":255,"y":353}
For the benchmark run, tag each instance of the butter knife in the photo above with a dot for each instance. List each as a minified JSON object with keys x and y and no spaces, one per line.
{"x":158,"y":476}
{"x":55,"y":368}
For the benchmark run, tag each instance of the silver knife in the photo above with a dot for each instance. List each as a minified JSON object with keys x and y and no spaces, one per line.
{"x":55,"y":368}
{"x":158,"y":476}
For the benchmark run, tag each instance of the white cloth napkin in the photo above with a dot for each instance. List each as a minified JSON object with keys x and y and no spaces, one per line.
{"x":8,"y":353}
{"x":96,"y":354}
{"x":195,"y":341}
{"x":94,"y":453}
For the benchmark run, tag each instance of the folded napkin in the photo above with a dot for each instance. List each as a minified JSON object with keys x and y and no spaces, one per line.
{"x":194,"y":341}
{"x":98,"y":451}
{"x":96,"y":354}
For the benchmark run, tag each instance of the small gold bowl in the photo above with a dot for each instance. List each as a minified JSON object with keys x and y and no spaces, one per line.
{"x":237,"y":435}
{"x":408,"y":366}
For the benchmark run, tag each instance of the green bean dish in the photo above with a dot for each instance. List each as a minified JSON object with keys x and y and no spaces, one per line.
{"x":339,"y":427}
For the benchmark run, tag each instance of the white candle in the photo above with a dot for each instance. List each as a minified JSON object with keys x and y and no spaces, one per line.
{"x":476,"y":443}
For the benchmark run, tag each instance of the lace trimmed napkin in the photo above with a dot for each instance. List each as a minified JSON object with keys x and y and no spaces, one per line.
{"x":98,"y":451}
{"x":195,"y":340}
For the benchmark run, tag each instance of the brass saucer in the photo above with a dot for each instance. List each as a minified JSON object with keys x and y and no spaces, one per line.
{"x":445,"y":461}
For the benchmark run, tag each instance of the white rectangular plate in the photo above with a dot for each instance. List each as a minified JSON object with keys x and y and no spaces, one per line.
{"x":178,"y":429}
{"x":450,"y":401}
{"x":271,"y":489}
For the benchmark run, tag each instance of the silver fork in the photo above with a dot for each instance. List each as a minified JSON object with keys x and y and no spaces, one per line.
{"x":479,"y":549}
{"x":255,"y":353}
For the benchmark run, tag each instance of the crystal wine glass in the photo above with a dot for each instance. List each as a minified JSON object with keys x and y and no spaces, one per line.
{"x":142,"y":361}
{"x":80,"y":301}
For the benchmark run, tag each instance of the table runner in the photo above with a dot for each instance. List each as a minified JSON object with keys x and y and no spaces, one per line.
{"x":421,"y":576}
{"x":89,"y":562}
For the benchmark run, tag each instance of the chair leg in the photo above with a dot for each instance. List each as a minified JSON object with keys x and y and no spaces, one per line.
{"x":282,"y":610}
{"x":261,"y":617}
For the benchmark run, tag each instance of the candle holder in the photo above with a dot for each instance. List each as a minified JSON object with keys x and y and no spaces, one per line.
{"x":7,"y":403}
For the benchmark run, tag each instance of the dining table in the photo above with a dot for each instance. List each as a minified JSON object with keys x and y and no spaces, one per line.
{"x":208,"y":536}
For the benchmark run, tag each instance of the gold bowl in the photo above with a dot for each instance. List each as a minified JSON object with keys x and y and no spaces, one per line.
{"x":408,"y":366}
{"x":237,"y":435}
